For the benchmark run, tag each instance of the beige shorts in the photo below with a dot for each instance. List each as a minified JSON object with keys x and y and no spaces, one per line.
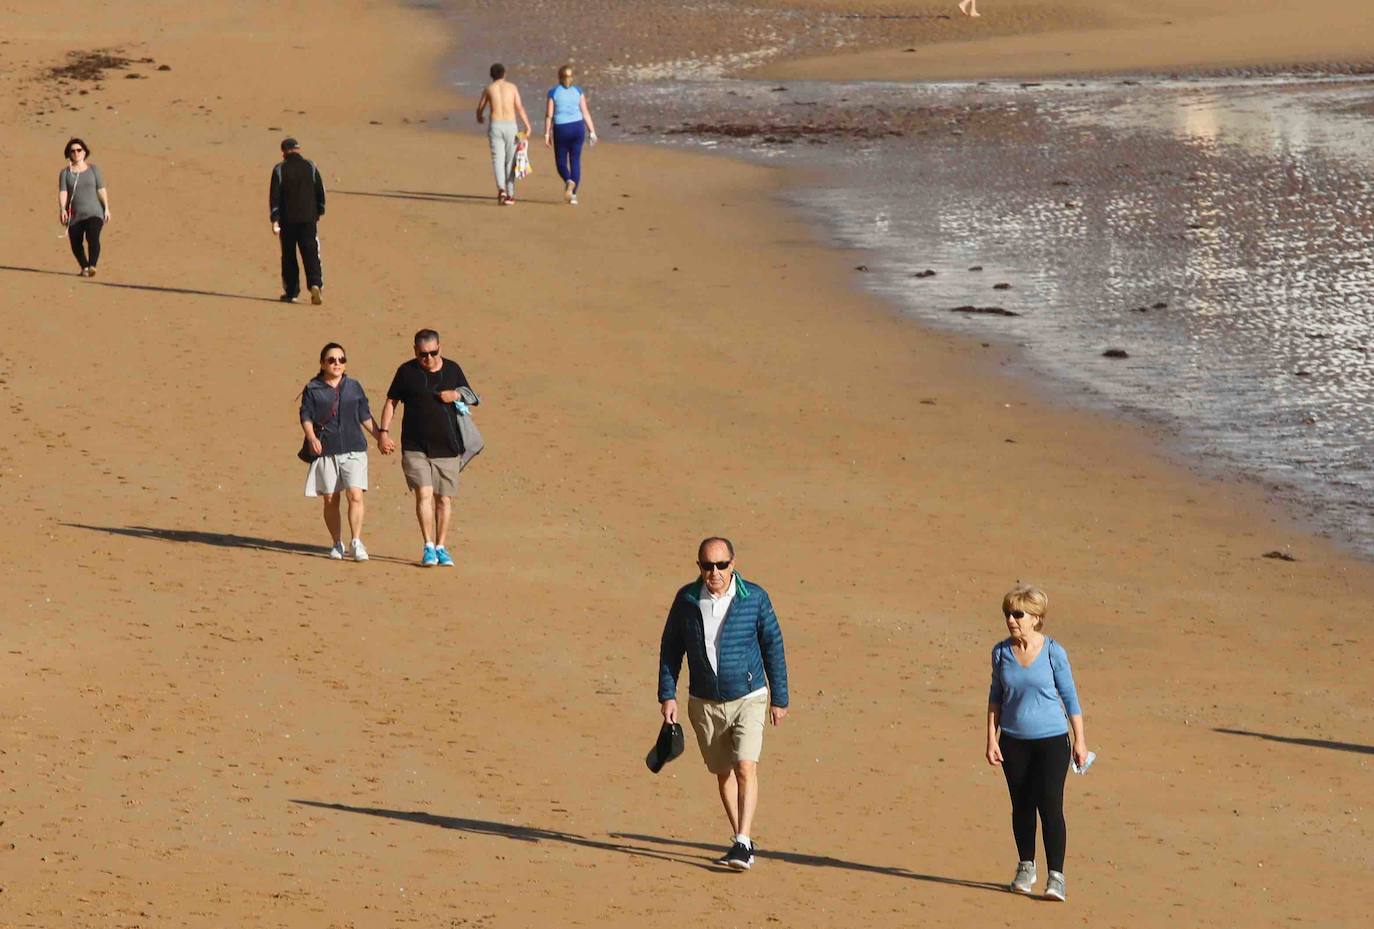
{"x":329,"y":474}
{"x":730,"y":731}
{"x":440,"y":473}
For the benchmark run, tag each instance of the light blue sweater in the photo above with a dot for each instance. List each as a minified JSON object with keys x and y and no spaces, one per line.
{"x":1036,"y":701}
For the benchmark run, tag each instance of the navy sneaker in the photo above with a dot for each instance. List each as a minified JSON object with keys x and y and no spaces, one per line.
{"x":740,"y":857}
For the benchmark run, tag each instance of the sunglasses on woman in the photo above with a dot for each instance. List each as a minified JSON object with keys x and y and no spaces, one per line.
{"x":336,"y":361}
{"x":1015,"y":614}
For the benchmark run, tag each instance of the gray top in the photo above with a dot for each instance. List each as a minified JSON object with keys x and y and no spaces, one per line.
{"x":81,"y":190}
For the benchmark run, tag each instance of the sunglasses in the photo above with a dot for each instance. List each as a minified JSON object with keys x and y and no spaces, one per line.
{"x":708,"y":565}
{"x":76,"y":149}
{"x":431,"y":354}
{"x":336,"y":361}
{"x":1016,"y":614}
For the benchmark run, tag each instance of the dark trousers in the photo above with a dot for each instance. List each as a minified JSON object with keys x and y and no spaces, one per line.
{"x":1035,"y":770}
{"x":89,"y":230}
{"x":306,"y":237}
{"x":567,"y":151}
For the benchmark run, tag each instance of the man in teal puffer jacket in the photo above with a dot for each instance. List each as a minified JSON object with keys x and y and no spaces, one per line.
{"x":738,"y":674}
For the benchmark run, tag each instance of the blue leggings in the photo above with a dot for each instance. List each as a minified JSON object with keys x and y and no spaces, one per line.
{"x":567,"y":150}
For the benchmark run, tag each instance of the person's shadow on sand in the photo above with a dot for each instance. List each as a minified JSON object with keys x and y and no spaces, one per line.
{"x":1294,"y":740}
{"x":508,"y":831}
{"x":152,"y":288}
{"x":222,"y":540}
{"x":534,"y":834}
{"x":434,"y":196}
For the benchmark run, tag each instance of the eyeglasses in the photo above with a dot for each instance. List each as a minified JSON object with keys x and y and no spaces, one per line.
{"x":430,"y":354}
{"x":1015,"y":614}
{"x":708,"y":565}
{"x":336,"y":361}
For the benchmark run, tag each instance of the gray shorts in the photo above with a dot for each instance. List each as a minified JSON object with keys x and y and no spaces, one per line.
{"x":440,"y":473}
{"x":329,"y":474}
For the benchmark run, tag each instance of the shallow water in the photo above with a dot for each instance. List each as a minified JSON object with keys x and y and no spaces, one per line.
{"x":1218,"y":232}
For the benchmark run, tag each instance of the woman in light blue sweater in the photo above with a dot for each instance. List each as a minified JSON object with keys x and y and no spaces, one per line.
{"x":1032,"y":706}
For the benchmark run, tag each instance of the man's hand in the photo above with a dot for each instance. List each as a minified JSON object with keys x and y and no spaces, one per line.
{"x":385,"y":445}
{"x":777,"y":714}
{"x":669,"y":710}
{"x":448,"y":396}
{"x":315,"y":445}
{"x":276,"y":227}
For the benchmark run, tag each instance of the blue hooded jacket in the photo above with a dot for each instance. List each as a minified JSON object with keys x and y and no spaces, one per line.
{"x":750,"y":646}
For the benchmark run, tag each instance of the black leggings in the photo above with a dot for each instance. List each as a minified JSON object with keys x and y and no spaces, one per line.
{"x":1035,"y":770}
{"x":90,"y":228}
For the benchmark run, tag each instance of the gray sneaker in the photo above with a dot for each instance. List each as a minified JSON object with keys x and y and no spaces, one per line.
{"x":1054,"y":886}
{"x":1024,"y":879}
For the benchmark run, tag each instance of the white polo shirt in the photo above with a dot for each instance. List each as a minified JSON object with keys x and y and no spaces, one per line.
{"x":713,"y":610}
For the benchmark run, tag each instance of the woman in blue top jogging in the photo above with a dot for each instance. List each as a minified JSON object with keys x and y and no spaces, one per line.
{"x":1032,"y":706}
{"x":567,"y":124}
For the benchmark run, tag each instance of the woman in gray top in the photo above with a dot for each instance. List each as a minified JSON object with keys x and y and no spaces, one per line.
{"x":334,"y":414}
{"x":83,"y":205}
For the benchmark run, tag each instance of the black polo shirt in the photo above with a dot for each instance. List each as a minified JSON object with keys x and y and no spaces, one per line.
{"x":428,"y":424}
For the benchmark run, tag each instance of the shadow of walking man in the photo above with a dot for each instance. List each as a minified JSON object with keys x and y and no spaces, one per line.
{"x":507,"y":831}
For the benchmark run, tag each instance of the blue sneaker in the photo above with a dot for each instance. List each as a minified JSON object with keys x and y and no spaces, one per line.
{"x":430,"y":558}
{"x":444,"y":560}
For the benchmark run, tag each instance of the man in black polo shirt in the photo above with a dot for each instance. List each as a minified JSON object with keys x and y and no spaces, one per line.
{"x":431,"y":445}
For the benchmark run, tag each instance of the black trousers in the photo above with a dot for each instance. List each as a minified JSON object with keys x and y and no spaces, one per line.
{"x":306,"y":238}
{"x":89,"y":230}
{"x":1035,"y":770}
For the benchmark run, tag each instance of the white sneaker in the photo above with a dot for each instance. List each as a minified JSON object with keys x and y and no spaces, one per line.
{"x":359,"y":553}
{"x":1054,"y":886}
{"x":573,"y":199}
{"x":1024,"y":879}
{"x":337,"y":552}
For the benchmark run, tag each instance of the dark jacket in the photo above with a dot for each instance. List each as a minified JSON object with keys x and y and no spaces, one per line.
{"x":750,"y":645}
{"x":343,"y":432}
{"x":297,"y":194}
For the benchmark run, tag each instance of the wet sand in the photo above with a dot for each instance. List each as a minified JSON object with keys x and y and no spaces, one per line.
{"x":208,"y":723}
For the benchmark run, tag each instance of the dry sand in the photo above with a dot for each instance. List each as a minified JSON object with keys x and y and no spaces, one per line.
{"x":207,"y":723}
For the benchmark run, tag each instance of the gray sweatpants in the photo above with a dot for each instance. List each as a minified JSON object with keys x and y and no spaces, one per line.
{"x":501,"y":135}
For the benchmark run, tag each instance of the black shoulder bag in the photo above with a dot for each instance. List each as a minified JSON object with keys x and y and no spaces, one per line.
{"x":307,"y":454}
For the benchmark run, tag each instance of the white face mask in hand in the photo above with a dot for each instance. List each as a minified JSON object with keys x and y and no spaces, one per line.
{"x":1087,"y":763}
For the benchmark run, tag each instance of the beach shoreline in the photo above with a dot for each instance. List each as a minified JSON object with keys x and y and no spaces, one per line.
{"x":213,"y":723}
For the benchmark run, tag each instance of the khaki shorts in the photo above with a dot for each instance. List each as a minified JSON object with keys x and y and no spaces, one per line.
{"x":730,"y":731}
{"x":440,"y":473}
{"x":329,"y":474}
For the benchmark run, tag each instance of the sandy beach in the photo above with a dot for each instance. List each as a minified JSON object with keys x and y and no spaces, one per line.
{"x":208,"y":723}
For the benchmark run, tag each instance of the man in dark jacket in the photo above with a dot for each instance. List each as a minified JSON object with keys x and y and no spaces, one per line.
{"x":297,"y":203}
{"x":730,"y":635}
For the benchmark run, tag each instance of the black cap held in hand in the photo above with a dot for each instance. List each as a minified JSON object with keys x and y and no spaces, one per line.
{"x":670,"y":744}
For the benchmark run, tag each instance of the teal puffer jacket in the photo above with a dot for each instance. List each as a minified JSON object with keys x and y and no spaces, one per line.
{"x":750,"y":647}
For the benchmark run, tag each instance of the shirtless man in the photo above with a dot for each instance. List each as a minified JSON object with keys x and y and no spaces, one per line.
{"x":503,"y":98}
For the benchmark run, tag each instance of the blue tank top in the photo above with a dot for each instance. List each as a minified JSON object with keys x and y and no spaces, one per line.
{"x":567,"y":104}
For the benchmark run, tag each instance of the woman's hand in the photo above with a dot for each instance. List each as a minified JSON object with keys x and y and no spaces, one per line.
{"x":548,"y":140}
{"x":448,"y":396}
{"x":107,"y":215}
{"x":315,"y":445}
{"x":1080,"y":754}
{"x":994,"y":753}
